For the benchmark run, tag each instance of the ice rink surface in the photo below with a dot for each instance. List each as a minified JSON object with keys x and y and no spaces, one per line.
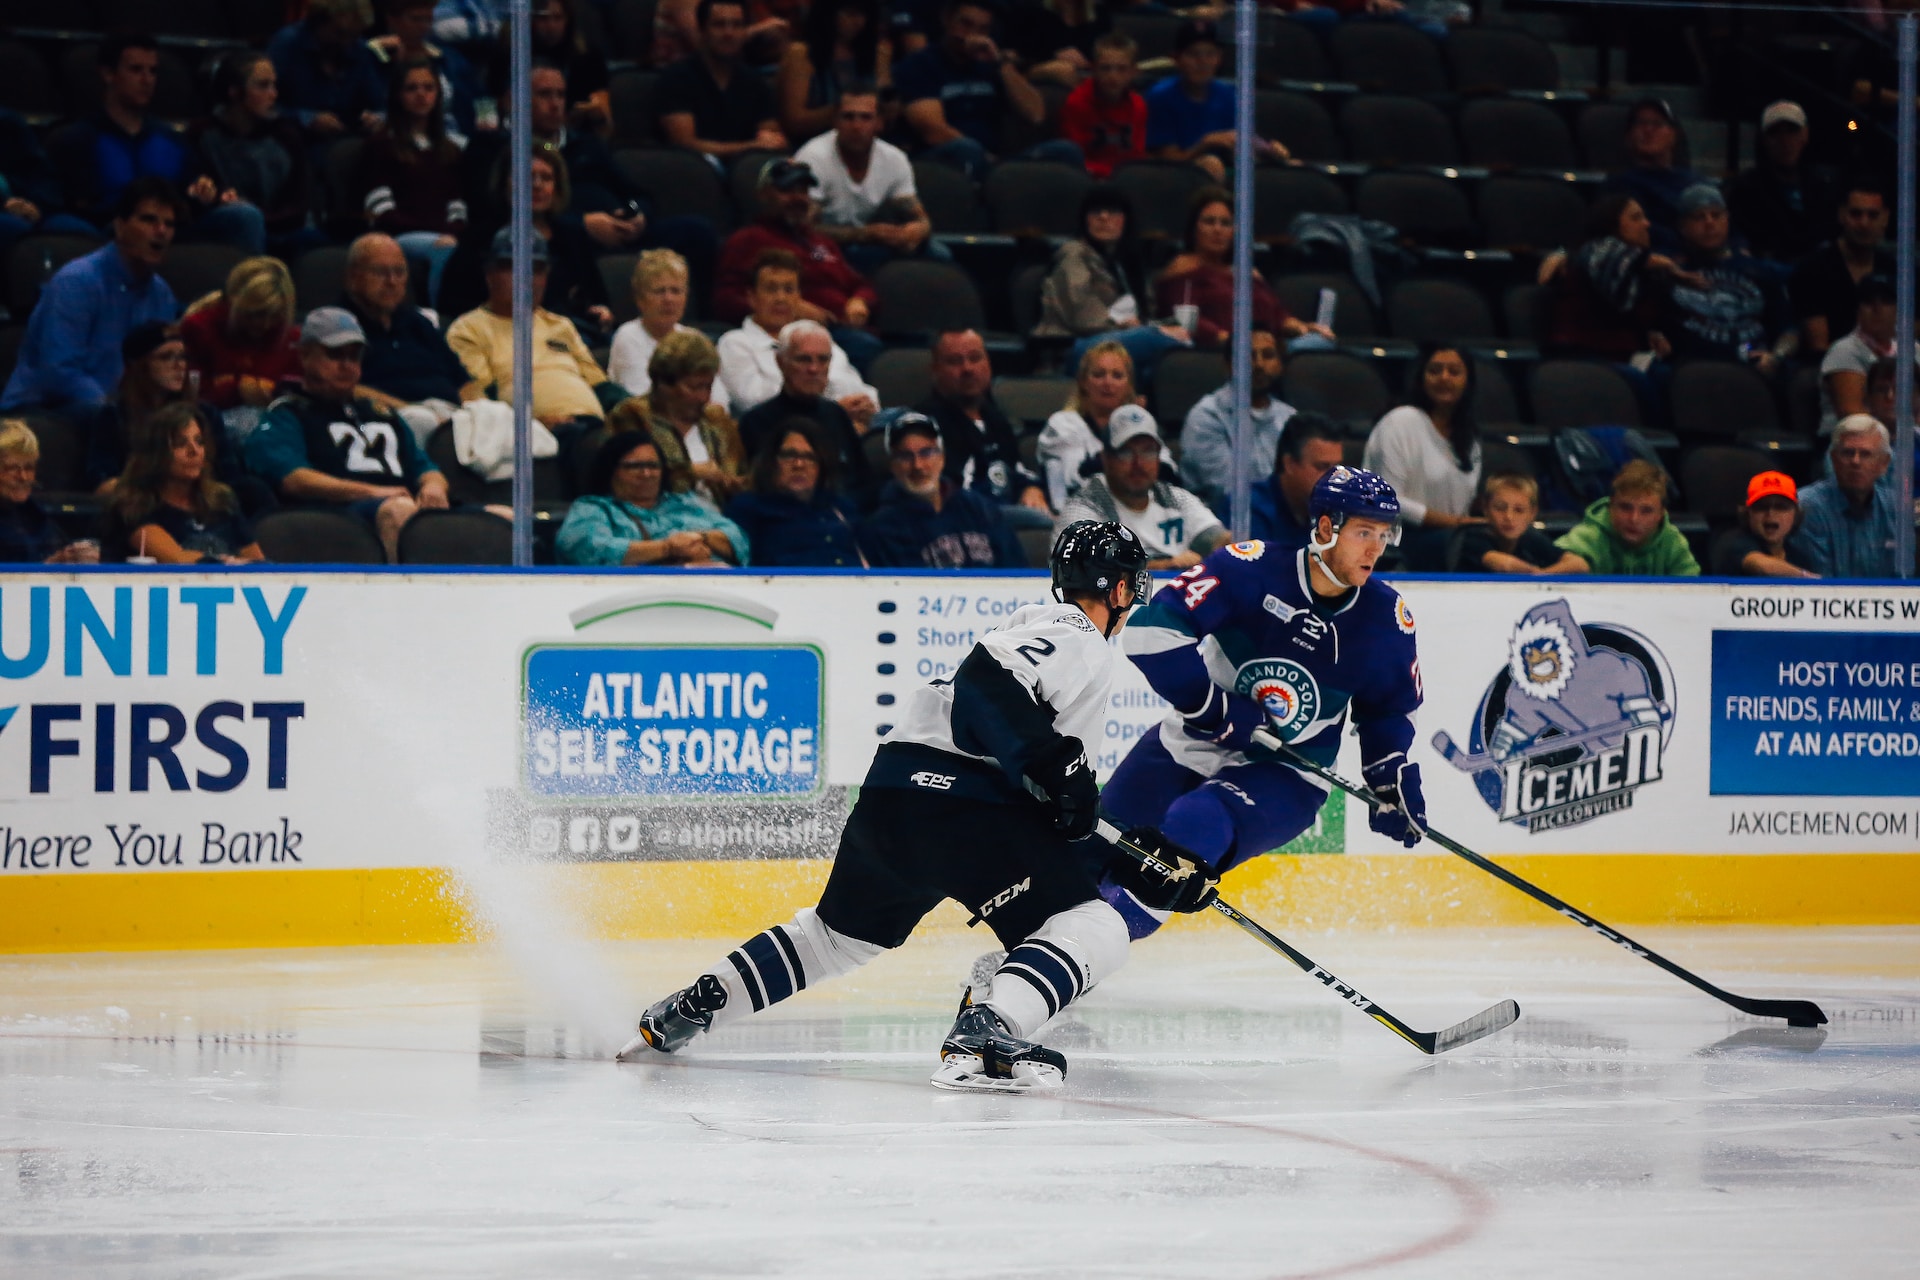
{"x":430,"y":1112}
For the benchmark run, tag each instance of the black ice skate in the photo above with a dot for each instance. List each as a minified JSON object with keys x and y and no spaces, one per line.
{"x":982,"y":1053}
{"x":683,"y":1015}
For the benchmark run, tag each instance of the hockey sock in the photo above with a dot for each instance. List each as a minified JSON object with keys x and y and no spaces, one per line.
{"x":770,"y":966}
{"x":1059,"y":962}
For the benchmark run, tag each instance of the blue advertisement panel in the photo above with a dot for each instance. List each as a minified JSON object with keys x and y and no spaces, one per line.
{"x":701,"y":721}
{"x":1816,"y":713}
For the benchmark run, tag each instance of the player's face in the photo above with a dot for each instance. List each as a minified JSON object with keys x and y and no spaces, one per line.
{"x":1510,"y":512}
{"x":1361,"y":544}
{"x":1771,"y":519}
{"x":1113,"y":74}
{"x":1637,"y":517}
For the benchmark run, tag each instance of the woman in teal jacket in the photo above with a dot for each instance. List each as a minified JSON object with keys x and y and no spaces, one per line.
{"x":628,"y":518}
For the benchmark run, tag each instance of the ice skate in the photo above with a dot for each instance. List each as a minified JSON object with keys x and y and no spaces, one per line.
{"x":982,"y":1054}
{"x":677,"y":1019}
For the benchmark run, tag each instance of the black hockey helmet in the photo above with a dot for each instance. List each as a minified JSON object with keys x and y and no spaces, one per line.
{"x":1092,"y":557}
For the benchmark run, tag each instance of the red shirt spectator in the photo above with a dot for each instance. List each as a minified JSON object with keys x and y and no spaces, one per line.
{"x":1210,"y":288}
{"x":827,"y":281}
{"x":244,"y":344}
{"x":1109,"y":133}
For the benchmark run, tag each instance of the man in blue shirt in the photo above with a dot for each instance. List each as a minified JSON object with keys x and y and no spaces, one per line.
{"x":1850,"y":522}
{"x":1206,"y":442}
{"x":329,"y":79}
{"x":1190,"y":115}
{"x":926,"y":521}
{"x":1309,"y":448}
{"x":954,"y":92}
{"x":99,"y":154}
{"x":407,"y":366}
{"x":70,"y":357}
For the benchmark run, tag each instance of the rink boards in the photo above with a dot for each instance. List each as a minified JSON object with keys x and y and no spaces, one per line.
{"x":313,"y":758}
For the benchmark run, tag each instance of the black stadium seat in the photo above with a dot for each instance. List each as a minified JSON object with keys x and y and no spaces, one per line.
{"x":1180,"y":379}
{"x":1160,"y":192}
{"x":1429,"y":210}
{"x":919,"y":297}
{"x":194,"y":270}
{"x":1493,"y":400}
{"x":1353,"y":315}
{"x":902,"y":376}
{"x":25,"y":83}
{"x":1722,"y":400}
{"x":1386,"y":130}
{"x":1535,"y":214}
{"x":1032,"y":400}
{"x":743,"y":182}
{"x":317,"y":537}
{"x":1510,"y":133}
{"x":457,"y":537}
{"x":1345,"y":388}
{"x":63,"y":450}
{"x":616,"y":275}
{"x":1439,"y":311}
{"x":949,"y":199}
{"x":636,"y":121}
{"x":1289,"y":50}
{"x":1582,"y":393}
{"x":203,"y":18}
{"x":320,"y":277}
{"x":1500,"y":60}
{"x":681,"y":183}
{"x":1297,"y":122}
{"x":1280,"y":194}
{"x":1714,"y":479}
{"x":1387,"y":55}
{"x":1026,"y":197}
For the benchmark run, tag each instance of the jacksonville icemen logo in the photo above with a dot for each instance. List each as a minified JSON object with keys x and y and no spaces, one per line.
{"x":1574,"y":724}
{"x":1286,"y":689}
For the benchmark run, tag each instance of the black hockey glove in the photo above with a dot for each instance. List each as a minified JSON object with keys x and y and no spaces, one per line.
{"x":1065,"y":784}
{"x":1402,"y":812}
{"x":1226,"y":720}
{"x":1190,"y":887}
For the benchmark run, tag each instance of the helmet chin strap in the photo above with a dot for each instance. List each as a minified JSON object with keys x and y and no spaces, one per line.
{"x":1316,"y":551}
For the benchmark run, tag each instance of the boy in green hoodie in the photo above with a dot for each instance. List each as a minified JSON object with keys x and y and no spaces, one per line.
{"x":1628,"y":534}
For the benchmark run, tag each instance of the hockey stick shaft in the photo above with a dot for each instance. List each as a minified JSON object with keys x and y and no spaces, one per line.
{"x":1425,"y":1041}
{"x":1799,"y":1013}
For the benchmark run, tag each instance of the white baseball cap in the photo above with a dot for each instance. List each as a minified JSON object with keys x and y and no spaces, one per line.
{"x":1783,"y":112}
{"x":1128,"y":421}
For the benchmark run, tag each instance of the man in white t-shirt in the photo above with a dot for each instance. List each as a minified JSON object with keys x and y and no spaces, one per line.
{"x":1177,"y":528}
{"x":868,"y":203}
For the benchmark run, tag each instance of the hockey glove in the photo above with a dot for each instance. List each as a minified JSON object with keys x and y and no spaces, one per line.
{"x":1227,"y":720}
{"x":1064,"y":782}
{"x":1402,"y":812}
{"x":1191,"y":886}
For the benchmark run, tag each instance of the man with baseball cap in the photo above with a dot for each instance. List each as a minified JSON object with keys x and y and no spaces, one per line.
{"x":1780,"y":205}
{"x":567,"y":381}
{"x":1651,"y":176}
{"x":831,"y":291}
{"x":1759,"y":546}
{"x":925,"y":520}
{"x":1737,"y":310}
{"x":323,"y":446}
{"x":1176,"y":527}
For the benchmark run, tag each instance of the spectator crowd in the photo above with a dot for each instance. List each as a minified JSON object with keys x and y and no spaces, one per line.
{"x":298,"y":298}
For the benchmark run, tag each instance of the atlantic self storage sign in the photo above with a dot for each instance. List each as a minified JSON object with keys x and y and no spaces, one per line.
{"x":694,"y":720}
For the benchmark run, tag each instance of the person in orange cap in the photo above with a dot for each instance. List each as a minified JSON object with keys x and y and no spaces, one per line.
{"x":1757,"y":546}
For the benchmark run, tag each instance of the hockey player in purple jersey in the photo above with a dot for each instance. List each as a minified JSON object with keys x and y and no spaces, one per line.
{"x":1255,"y":638}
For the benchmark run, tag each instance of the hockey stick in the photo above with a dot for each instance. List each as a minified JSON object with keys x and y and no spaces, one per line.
{"x":1798,"y":1013}
{"x":1484,"y":1023}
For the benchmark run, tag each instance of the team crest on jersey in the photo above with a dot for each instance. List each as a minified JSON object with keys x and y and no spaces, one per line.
{"x":1287,"y":690}
{"x":1576,"y":722}
{"x":1250,"y":550}
{"x":1402,"y":616}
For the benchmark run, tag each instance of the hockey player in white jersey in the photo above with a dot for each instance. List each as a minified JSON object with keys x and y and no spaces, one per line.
{"x":978,"y":794}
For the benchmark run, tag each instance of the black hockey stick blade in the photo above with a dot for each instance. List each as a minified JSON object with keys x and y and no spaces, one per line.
{"x":1798,"y":1013}
{"x":1484,"y":1023}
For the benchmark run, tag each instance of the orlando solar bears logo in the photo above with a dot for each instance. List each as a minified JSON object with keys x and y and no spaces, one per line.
{"x":1286,"y":689}
{"x":1576,"y":722}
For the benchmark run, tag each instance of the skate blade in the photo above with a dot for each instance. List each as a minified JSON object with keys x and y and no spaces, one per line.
{"x":962,"y":1073}
{"x":635,"y":1048}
